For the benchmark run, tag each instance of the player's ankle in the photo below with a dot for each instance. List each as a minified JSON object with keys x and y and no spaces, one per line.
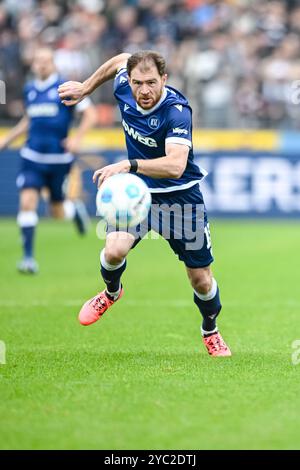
{"x":206,"y":333}
{"x":113,"y":295}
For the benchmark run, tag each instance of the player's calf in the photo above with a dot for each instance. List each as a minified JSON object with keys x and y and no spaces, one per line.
{"x":210,"y":306}
{"x":27,"y":221}
{"x":207,"y":299}
{"x":113,"y":260}
{"x":111,"y":274}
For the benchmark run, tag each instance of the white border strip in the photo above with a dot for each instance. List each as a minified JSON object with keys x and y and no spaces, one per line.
{"x":170,"y":189}
{"x":178,"y":140}
{"x":47,"y":158}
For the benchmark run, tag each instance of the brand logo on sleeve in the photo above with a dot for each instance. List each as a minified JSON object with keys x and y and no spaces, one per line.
{"x":177,"y":130}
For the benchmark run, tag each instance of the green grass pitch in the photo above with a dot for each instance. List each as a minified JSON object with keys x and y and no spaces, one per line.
{"x":140,"y":378}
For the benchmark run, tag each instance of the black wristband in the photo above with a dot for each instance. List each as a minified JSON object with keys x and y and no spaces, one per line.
{"x":133,"y":166}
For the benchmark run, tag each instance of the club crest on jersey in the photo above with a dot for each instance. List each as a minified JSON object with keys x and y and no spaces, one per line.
{"x":153,"y":122}
{"x":32,"y":95}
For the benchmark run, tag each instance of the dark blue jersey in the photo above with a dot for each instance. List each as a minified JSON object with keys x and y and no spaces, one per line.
{"x":148,"y":131}
{"x":49,"y":122}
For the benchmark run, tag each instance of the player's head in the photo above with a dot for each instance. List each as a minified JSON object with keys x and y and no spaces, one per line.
{"x":43,"y":63}
{"x":147,"y":77}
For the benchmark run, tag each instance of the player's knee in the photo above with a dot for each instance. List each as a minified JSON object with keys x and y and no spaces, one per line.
{"x":202,"y":282}
{"x":115,"y":254}
{"x":28,"y":202}
{"x":26,"y":206}
{"x":57,"y":211}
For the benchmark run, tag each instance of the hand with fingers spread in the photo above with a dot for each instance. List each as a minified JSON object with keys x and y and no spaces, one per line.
{"x":103,"y":173}
{"x":71,"y":93}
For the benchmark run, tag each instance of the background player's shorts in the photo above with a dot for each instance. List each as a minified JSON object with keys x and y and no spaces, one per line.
{"x":40,"y":175}
{"x":180,"y":217}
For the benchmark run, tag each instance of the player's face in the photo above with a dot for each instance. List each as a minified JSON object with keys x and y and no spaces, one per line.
{"x":43,"y":64}
{"x":147,"y":86}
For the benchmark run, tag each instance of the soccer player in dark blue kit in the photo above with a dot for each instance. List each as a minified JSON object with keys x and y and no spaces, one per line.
{"x":47,"y":157}
{"x":157,"y":122}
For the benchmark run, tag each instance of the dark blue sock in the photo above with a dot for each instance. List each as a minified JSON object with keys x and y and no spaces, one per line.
{"x":112,"y":277}
{"x":27,"y":240}
{"x":27,"y":221}
{"x":209,"y":309}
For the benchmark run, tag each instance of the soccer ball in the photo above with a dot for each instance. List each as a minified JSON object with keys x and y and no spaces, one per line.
{"x":123,"y":200}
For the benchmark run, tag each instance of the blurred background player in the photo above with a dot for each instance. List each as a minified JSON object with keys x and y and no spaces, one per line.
{"x":48,"y":154}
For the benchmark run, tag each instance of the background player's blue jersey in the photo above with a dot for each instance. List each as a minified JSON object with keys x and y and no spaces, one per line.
{"x":148,"y":131}
{"x":50,"y":121}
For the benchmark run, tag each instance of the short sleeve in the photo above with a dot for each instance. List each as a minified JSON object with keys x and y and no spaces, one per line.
{"x":121,"y":79}
{"x":179,"y":126}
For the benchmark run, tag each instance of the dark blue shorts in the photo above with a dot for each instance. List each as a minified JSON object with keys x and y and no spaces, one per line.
{"x":180,"y":217}
{"x":41,"y":175}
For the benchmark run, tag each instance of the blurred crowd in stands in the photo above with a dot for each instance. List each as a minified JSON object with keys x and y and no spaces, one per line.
{"x":236,"y":60}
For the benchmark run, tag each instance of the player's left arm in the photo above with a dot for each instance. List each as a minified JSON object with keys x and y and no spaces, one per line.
{"x":88,"y":121}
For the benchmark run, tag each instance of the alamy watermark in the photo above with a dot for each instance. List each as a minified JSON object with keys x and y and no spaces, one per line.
{"x":2,"y":92}
{"x":173,"y":222}
{"x":296,"y":353}
{"x":2,"y":353}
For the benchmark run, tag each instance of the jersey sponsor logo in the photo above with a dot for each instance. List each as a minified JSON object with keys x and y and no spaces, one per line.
{"x":179,"y":107}
{"x":126,"y":107}
{"x":177,"y":130}
{"x":153,"y":122}
{"x":43,"y":110}
{"x":137,"y":136}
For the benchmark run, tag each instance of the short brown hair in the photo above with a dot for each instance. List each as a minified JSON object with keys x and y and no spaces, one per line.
{"x":147,"y":58}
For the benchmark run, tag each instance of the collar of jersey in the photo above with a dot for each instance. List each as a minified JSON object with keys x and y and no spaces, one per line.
{"x":148,"y":111}
{"x":42,"y":85}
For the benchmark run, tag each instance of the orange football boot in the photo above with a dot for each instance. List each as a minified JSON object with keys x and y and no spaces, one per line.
{"x":215,"y":345}
{"x":94,"y":308}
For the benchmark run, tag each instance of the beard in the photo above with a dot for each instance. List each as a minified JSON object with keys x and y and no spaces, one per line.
{"x":149,"y":101}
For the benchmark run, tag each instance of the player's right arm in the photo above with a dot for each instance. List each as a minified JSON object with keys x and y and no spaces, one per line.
{"x":20,"y":129}
{"x":72,"y":93}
